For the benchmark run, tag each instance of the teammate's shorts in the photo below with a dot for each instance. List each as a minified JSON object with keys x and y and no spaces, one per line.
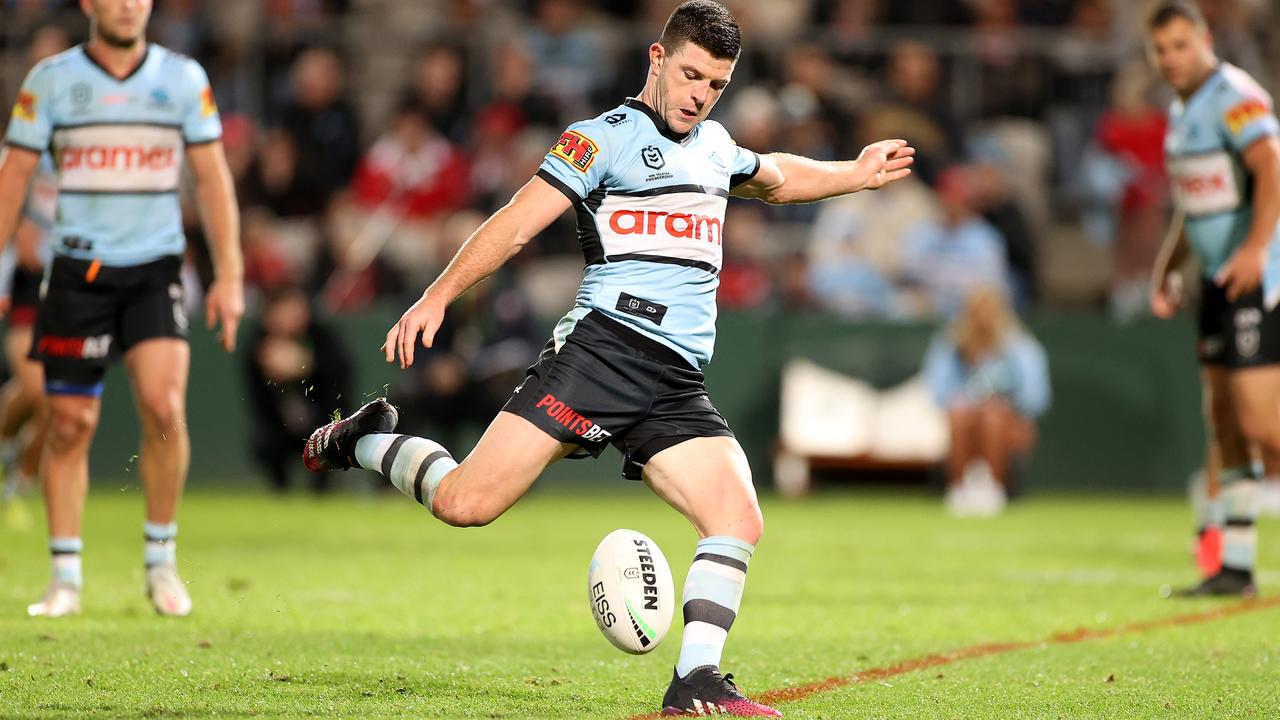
{"x":24,"y":297}
{"x":91,"y":314}
{"x":1240,"y":334}
{"x":611,"y":385}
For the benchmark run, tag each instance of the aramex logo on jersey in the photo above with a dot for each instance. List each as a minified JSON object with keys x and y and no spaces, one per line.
{"x":1238,"y":117}
{"x":25,"y":108}
{"x":576,"y":149}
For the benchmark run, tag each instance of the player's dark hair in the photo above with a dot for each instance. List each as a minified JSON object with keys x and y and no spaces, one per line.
{"x":1170,"y":10}
{"x":707,"y":24}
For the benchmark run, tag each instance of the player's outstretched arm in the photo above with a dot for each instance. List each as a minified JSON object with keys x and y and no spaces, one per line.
{"x":215,"y":194}
{"x":17,"y":165}
{"x":1243,"y":271}
{"x":531,"y":210}
{"x":1167,"y":293}
{"x":784,"y":178}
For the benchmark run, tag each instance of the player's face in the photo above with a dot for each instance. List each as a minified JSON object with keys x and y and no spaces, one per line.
{"x":121,"y":23}
{"x":1183,"y":53}
{"x":689,"y":82}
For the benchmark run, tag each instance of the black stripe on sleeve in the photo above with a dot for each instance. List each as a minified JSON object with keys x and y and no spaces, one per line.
{"x":722,"y":559}
{"x":739,"y":178}
{"x":560,"y":185}
{"x":22,"y":146}
{"x":389,"y":458}
{"x":422,"y":473}
{"x":198,"y":143}
{"x":709,"y":612}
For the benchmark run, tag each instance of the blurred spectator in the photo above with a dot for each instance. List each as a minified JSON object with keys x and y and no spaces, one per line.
{"x":947,"y":259}
{"x":1132,"y":134}
{"x":915,"y":106}
{"x":1230,"y":21}
{"x":183,"y":26}
{"x":993,"y":196}
{"x":849,"y":30}
{"x":514,"y":97}
{"x":855,"y":248}
{"x":322,"y":127}
{"x":411,"y":170}
{"x":992,"y":378}
{"x":436,"y":89}
{"x":573,"y":66}
{"x":1013,"y":83}
{"x":746,"y":281}
{"x":1084,"y":60}
{"x":298,"y":372}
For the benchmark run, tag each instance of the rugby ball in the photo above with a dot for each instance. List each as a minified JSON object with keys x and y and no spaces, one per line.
{"x":632,"y":596}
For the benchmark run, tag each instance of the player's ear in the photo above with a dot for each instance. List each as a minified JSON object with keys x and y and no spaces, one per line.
{"x":657,"y":54}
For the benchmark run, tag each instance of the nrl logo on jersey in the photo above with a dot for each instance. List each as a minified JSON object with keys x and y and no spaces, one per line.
{"x":652,"y":157}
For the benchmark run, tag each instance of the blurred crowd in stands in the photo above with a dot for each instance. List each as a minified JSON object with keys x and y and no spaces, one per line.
{"x":368,"y":138}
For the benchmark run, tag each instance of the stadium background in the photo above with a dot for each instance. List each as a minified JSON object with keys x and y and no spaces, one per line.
{"x":1041,"y":117}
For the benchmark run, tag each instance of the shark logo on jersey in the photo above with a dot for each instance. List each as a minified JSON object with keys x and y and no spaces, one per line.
{"x":652,"y":157}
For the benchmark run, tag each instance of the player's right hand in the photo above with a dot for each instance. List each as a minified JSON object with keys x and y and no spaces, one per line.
{"x":423,"y":317}
{"x":1166,"y":295}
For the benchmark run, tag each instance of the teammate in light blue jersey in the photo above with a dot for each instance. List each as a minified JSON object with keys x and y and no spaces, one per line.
{"x":1223,"y":153}
{"x":649,"y":181}
{"x":119,"y":116}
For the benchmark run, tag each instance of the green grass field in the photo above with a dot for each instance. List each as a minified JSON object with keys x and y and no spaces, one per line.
{"x":366,"y":607}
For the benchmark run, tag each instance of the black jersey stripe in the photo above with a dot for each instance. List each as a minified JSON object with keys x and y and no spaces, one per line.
{"x":72,"y":191}
{"x":641,"y":257}
{"x":588,"y":230}
{"x":119,"y":123}
{"x":673,"y":189}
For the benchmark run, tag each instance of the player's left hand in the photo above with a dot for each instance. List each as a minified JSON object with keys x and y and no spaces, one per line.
{"x":885,"y":162}
{"x":1243,"y":272}
{"x":224,"y":303}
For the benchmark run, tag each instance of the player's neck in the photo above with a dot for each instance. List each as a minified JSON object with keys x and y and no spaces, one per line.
{"x":1204,"y":78}
{"x":119,"y":62}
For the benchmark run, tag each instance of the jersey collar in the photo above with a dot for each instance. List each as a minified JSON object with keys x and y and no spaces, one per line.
{"x":663,"y":128}
{"x":146,"y":53}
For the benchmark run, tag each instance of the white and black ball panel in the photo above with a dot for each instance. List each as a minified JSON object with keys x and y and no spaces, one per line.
{"x":631,"y":592}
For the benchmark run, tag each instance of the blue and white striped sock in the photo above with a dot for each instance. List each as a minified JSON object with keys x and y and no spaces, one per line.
{"x":712,"y":594}
{"x":160,"y":546}
{"x":414,"y":465}
{"x":65,"y":556}
{"x":1239,"y":499}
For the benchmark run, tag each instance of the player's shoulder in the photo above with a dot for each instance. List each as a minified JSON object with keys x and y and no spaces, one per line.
{"x":612,"y":126}
{"x":170,"y":62}
{"x":65,"y":60}
{"x":1238,"y":86}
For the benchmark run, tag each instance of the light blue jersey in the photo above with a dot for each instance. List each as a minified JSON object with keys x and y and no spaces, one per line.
{"x":1207,"y":137}
{"x":118,"y":146}
{"x":650,"y":207}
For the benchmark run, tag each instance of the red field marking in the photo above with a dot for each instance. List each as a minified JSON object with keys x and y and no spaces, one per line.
{"x":1067,"y":637}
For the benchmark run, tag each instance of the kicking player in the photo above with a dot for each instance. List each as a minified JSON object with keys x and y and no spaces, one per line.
{"x":649,"y":181}
{"x":119,"y":115}
{"x":1223,"y":154}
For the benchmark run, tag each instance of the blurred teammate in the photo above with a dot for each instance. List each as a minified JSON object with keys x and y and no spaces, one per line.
{"x":21,"y":265}
{"x":1223,"y":154}
{"x":119,"y":115}
{"x":649,"y":181}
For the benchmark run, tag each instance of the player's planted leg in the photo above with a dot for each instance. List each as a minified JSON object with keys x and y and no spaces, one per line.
{"x":158,"y":370}
{"x":708,"y":480}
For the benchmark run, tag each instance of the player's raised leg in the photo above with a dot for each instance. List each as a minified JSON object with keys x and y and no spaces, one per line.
{"x":512,"y":454}
{"x":73,"y":418}
{"x":158,"y":370}
{"x":709,"y":481}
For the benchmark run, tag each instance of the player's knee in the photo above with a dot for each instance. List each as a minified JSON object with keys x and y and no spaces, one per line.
{"x":163,"y":412}
{"x":71,"y":425}
{"x":453,"y":505}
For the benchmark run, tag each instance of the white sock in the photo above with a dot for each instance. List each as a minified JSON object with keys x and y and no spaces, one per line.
{"x":414,"y":465}
{"x":1240,"y":533}
{"x":65,"y":553}
{"x":712,"y":594}
{"x":160,"y":545}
